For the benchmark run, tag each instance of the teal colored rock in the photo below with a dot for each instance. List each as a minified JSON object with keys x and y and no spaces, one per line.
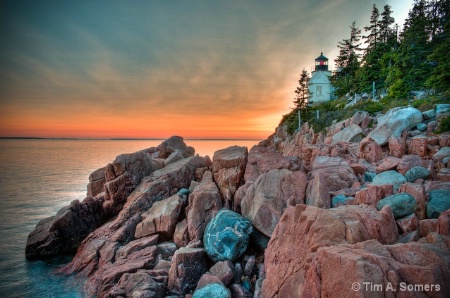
{"x":390,"y":177}
{"x":183,"y":192}
{"x":368,"y":176}
{"x":416,"y":173}
{"x":227,"y":235}
{"x":214,"y":290}
{"x":438,"y":203}
{"x":422,"y":126}
{"x":338,"y":201}
{"x":442,"y":108}
{"x":402,"y":204}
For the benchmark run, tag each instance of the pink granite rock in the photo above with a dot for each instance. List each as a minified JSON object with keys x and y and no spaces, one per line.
{"x":419,"y":146}
{"x":369,"y":269}
{"x":271,"y":193}
{"x":373,"y":193}
{"x":443,"y":225}
{"x":408,"y":162}
{"x":389,"y":163}
{"x":370,"y":151}
{"x":417,"y":190}
{"x":228,"y":171}
{"x":161,"y":218}
{"x":397,"y":146}
{"x":204,"y":203}
{"x":188,"y":265}
{"x":301,"y":232}
{"x":427,"y":226}
{"x":408,"y":224}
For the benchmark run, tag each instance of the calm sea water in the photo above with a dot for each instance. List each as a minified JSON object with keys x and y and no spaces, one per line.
{"x":37,"y":178}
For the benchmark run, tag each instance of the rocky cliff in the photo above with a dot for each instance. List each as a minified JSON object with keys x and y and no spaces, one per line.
{"x":361,"y":210}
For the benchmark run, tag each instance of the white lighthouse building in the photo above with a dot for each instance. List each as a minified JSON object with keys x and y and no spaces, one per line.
{"x":319,"y":84}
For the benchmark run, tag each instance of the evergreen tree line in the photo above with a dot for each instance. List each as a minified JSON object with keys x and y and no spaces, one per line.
{"x":415,"y":59}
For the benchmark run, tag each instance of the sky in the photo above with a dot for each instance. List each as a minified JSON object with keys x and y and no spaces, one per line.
{"x":153,"y":69}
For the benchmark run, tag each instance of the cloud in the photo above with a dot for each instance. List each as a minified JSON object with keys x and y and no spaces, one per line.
{"x":223,"y":65}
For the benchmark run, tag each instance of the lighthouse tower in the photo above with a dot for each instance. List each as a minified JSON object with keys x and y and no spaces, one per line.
{"x":319,"y":84}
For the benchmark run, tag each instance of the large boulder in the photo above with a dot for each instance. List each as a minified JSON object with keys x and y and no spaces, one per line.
{"x":174,"y":145}
{"x":336,"y":171}
{"x":228,"y":169}
{"x":262,"y":159}
{"x":352,"y":133}
{"x":204,"y":203}
{"x":96,"y":182}
{"x":161,"y":218}
{"x":145,"y":283}
{"x":227,"y":236}
{"x":107,"y":239}
{"x":390,"y":177}
{"x":394,"y":122}
{"x":408,"y":162}
{"x":441,"y":154}
{"x":123,"y":175}
{"x":266,"y":199}
{"x":303,"y":229}
{"x":402,"y":204}
{"x":370,"y":269}
{"x":64,"y":232}
{"x":388,"y":164}
{"x":329,"y":174}
{"x":439,"y":202}
{"x":417,"y":172}
{"x":318,"y":192}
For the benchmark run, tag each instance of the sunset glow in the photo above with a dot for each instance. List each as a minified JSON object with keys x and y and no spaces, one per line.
{"x":150,"y":69}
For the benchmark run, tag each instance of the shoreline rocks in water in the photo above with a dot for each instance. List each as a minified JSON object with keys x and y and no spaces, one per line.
{"x":302,"y":212}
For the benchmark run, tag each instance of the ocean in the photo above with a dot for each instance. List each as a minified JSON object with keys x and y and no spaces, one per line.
{"x":37,"y":178}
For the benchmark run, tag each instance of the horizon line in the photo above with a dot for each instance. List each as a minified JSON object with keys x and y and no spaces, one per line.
{"x":127,"y":139}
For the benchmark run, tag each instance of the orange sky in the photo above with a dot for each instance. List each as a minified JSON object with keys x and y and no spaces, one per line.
{"x":199,"y":69}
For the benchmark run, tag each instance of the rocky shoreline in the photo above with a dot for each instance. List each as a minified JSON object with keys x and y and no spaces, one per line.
{"x":362,"y":210}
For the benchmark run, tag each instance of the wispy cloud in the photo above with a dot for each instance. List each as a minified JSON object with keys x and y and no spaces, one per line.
{"x":153,"y":67}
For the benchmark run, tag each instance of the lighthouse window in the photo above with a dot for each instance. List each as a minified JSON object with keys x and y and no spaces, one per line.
{"x":319,"y":90}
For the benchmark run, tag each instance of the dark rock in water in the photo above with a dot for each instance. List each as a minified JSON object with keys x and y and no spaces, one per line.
{"x":402,"y":204}
{"x":215,"y":290}
{"x":438,"y":203}
{"x":227,"y":235}
{"x":64,"y":232}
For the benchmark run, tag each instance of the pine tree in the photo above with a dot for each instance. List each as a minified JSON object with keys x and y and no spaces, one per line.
{"x":373,"y":29}
{"x":302,"y":92}
{"x":347,"y":63}
{"x":440,"y":75}
{"x":380,"y":43}
{"x":411,"y":66}
{"x":387,"y":34}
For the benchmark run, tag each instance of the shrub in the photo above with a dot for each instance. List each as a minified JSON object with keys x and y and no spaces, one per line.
{"x":444,"y":124}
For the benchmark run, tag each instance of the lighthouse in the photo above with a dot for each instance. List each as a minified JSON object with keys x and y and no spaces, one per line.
{"x":319,"y":84}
